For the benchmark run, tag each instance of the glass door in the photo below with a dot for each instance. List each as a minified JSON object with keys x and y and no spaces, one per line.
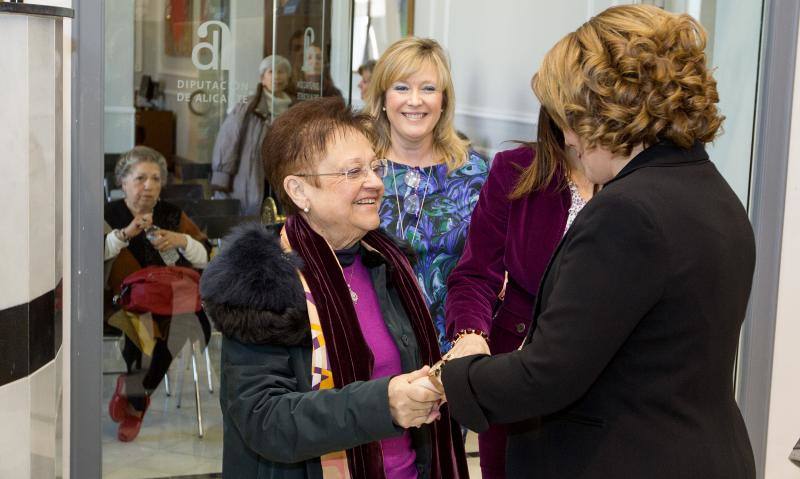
{"x":198,"y":83}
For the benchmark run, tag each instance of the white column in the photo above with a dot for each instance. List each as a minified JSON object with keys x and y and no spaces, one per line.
{"x":31,"y":136}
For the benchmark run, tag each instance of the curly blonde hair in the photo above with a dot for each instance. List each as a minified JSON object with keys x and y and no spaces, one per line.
{"x":401,"y":60}
{"x":632,"y":75}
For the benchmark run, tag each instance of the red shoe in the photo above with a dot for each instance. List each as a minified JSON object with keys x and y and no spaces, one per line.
{"x":130,"y":426}
{"x":118,"y":405}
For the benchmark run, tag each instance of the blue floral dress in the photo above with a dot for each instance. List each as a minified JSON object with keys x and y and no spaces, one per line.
{"x":431,"y":210}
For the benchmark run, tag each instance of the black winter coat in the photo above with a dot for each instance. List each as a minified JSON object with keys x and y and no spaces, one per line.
{"x":274,"y":425}
{"x":628,"y":371}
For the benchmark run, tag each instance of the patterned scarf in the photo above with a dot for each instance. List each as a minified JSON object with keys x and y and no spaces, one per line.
{"x":342,"y":354}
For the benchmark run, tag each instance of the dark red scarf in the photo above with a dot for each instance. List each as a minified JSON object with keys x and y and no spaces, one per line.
{"x":348,"y":353}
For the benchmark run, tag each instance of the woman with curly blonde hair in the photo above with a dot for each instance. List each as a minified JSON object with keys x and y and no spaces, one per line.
{"x":626,"y":370}
{"x":434,"y":179}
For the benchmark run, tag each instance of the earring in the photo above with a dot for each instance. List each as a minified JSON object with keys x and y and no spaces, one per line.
{"x":305,"y":209}
{"x":384,"y":108}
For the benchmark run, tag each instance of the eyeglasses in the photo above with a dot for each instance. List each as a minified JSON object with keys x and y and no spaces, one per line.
{"x":377,"y":167}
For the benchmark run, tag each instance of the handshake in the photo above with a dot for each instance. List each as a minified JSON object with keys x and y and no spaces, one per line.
{"x":414,"y":400}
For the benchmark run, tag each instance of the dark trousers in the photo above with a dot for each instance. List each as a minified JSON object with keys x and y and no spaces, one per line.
{"x":143,"y":379}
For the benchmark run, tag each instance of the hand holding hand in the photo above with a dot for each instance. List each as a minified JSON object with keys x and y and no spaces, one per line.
{"x":140,"y":223}
{"x":426,"y":383}
{"x":165,"y":239}
{"x":411,"y":404}
{"x":467,"y":345}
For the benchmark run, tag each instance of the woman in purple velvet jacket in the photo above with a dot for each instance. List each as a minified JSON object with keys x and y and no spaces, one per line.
{"x":529,"y":200}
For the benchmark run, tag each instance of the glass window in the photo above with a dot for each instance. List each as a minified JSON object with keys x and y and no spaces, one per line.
{"x":199,"y":83}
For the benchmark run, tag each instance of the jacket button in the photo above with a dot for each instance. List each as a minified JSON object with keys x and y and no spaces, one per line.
{"x":404,"y":338}
{"x":520,"y":327}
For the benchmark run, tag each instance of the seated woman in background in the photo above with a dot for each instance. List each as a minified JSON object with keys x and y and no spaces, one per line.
{"x":146,"y":232}
{"x":434,"y":179}
{"x":323,"y":324}
{"x":530,"y":199}
{"x":237,"y":170}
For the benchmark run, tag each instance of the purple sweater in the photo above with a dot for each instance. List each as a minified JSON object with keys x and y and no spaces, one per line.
{"x":517,"y":237}
{"x":398,"y":453}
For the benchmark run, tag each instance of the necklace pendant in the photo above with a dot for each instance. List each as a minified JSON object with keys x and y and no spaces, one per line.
{"x":353,"y":295}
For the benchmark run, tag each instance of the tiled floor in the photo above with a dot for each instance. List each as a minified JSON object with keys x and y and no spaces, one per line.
{"x":168,"y":445}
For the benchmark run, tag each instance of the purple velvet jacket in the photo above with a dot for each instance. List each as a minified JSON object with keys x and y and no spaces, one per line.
{"x":517,"y":237}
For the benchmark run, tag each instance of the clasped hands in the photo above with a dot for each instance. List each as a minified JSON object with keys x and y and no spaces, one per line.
{"x":414,"y":400}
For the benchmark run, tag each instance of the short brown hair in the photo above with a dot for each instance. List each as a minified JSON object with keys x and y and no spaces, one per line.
{"x":401,"y":60}
{"x":298,"y":139}
{"x":633,"y":74}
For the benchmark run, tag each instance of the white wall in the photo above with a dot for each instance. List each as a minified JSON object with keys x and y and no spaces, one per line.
{"x":784,"y":408}
{"x":495,"y":48}
{"x":247,"y":30}
{"x":120,"y":116}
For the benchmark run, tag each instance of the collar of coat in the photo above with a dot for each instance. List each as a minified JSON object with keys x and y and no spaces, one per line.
{"x":664,"y":154}
{"x":251,"y":290}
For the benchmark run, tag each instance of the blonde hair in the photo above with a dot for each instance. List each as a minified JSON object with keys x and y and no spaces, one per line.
{"x":632,"y":75}
{"x":401,"y":60}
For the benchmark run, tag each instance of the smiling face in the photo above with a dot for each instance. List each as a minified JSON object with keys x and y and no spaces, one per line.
{"x":344,"y":210}
{"x":142,"y":185}
{"x":280,"y":79}
{"x":414,"y":105}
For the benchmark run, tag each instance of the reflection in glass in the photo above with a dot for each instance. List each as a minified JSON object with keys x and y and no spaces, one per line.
{"x":199,"y":82}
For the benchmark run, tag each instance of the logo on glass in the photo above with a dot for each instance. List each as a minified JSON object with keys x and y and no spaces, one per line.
{"x":221,"y":52}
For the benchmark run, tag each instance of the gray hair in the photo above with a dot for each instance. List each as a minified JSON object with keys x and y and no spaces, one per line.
{"x":266,"y":64}
{"x":139,"y":154}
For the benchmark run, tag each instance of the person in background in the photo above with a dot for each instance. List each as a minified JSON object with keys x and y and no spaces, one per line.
{"x":146,"y":231}
{"x":365,"y":72}
{"x":627,"y":368}
{"x":237,"y":170}
{"x":434,"y":179}
{"x":324,"y":328}
{"x":532,"y":196}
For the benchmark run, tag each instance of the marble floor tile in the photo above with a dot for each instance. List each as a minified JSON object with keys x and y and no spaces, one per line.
{"x":168,"y":444}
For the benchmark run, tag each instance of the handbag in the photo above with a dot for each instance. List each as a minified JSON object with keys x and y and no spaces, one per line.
{"x":162,"y":290}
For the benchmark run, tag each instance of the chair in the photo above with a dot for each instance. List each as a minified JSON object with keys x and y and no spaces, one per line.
{"x":183,"y":190}
{"x":193,"y":347}
{"x":110,"y":188}
{"x":110,"y":161}
{"x":186,"y":337}
{"x":217,"y":227}
{"x":192,"y":171}
{"x":221,"y":207}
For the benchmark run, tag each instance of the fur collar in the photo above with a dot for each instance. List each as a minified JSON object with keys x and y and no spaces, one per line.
{"x":251,"y":290}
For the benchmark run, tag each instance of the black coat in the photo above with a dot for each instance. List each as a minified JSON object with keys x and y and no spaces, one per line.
{"x":628,"y":371}
{"x":274,"y":425}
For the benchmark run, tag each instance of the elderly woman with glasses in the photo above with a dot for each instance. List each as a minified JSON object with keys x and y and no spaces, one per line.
{"x":324,"y":326}
{"x":434,"y":178}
